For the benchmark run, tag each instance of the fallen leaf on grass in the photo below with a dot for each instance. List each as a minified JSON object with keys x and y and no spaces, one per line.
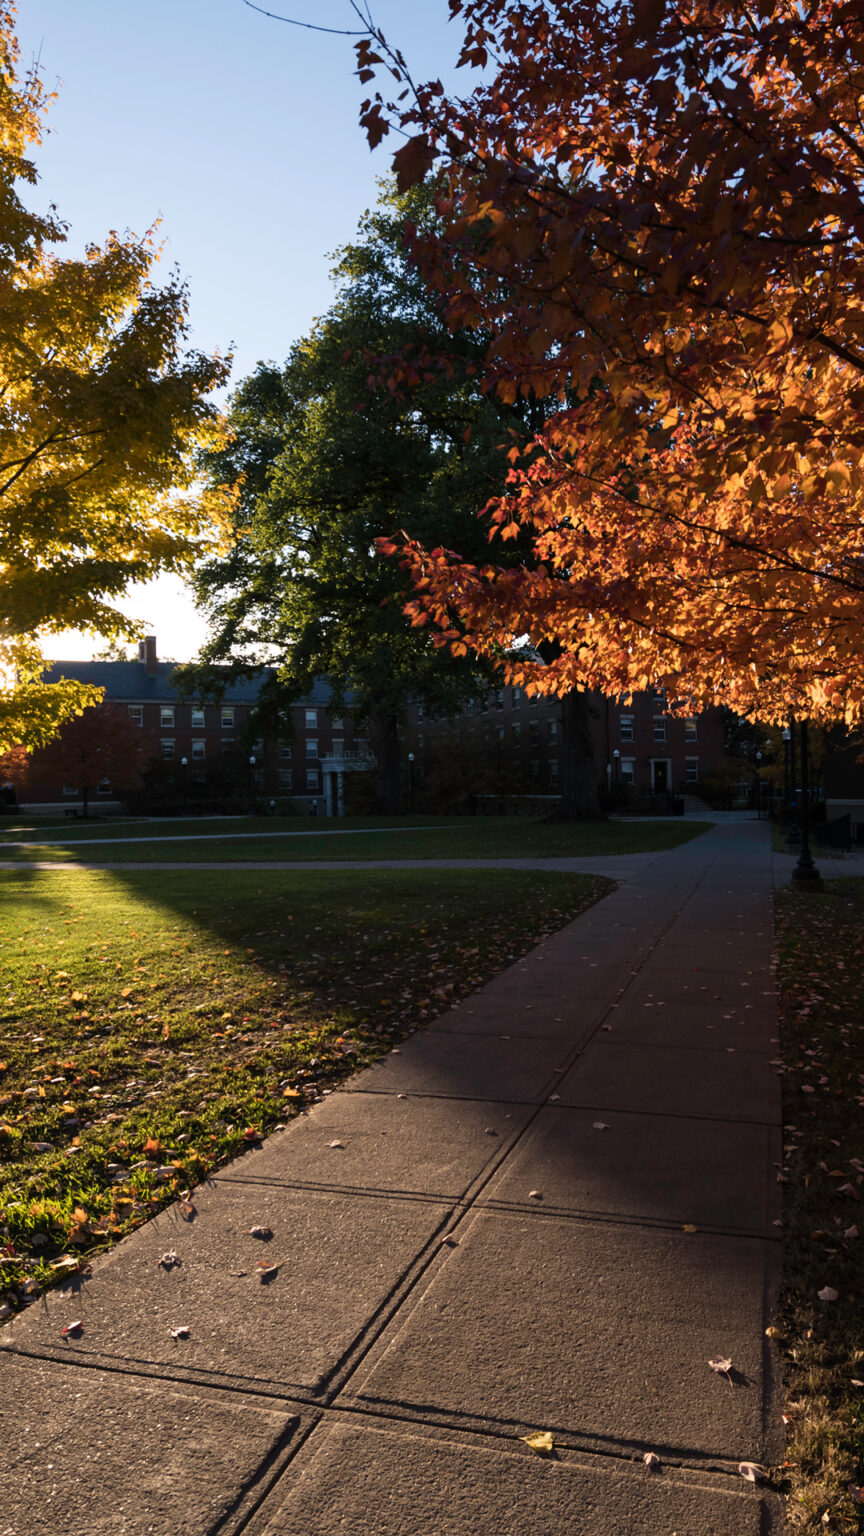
{"x":752,"y":1471}
{"x":651,"y":1460}
{"x":179,"y":1333}
{"x":773,"y":1333}
{"x":251,"y":1134}
{"x":856,"y":1493}
{"x":265,"y":1233}
{"x":540,"y":1441}
{"x":851,"y":1231}
{"x":828,"y":1293}
{"x":72,"y":1329}
{"x":68,"y":1265}
{"x":41,"y":1146}
{"x":152,"y":1146}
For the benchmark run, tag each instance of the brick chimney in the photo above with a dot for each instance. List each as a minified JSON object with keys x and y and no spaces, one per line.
{"x":147,"y":654}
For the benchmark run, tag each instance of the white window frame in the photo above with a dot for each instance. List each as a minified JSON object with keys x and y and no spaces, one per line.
{"x":311,"y":719}
{"x":227,"y":717}
{"x":658,"y":729}
{"x":198,"y":721}
{"x":166,"y":716}
{"x":691,"y":777}
{"x":199,"y":751}
{"x":103,"y":787}
{"x":626,"y":727}
{"x":553,"y":770}
{"x":691,"y":729}
{"x":167,"y":745}
{"x":311,"y":747}
{"x":286,"y":778}
{"x":69,"y":790}
{"x":136,"y":713}
{"x":285,"y":751}
{"x":553,"y":730}
{"x":628,"y":770}
{"x":311,"y":778}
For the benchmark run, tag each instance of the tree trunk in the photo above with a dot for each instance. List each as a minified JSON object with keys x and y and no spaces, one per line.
{"x":85,"y":797}
{"x":384,"y":735}
{"x":579,"y":793}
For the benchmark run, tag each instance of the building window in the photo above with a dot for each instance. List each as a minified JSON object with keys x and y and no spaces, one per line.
{"x":517,"y":731}
{"x":338,"y":722}
{"x":284,"y":778}
{"x":534,"y":700}
{"x":628,"y":770}
{"x":311,"y":778}
{"x":553,"y":770}
{"x":103,"y":787}
{"x":136,"y":713}
{"x":420,"y":739}
{"x":553,"y":730}
{"x":69,"y":791}
{"x":625,"y":727}
{"x":197,"y":719}
{"x":311,"y":719}
{"x":166,"y":716}
{"x":227,"y":719}
{"x":499,"y":698}
{"x":535,"y":771}
{"x":691,"y":770}
{"x":419,"y":711}
{"x":534,"y":733}
{"x":659,"y":728}
{"x":311,"y":748}
{"x":501,"y":733}
{"x":168,"y":746}
{"x":198,"y":751}
{"x":517,"y":697}
{"x":285,"y":749}
{"x":339,"y":745}
{"x":690,"y":730}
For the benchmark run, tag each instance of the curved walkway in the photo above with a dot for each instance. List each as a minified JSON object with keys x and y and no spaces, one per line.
{"x":547,"y":1211}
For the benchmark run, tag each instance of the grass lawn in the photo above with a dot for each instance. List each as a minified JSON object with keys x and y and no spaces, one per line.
{"x":821,"y":939}
{"x":154,"y":1024}
{"x":485,"y":837}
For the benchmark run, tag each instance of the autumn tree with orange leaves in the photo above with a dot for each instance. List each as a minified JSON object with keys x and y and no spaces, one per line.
{"x":657,"y":212}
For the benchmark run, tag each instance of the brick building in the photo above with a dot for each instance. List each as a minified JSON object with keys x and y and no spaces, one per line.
{"x":195,"y":746}
{"x":505,"y":743}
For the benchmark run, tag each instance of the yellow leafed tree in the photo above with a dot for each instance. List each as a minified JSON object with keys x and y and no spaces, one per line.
{"x":102,"y":411}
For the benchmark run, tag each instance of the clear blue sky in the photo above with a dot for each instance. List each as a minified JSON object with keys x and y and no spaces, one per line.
{"x":241,"y":134}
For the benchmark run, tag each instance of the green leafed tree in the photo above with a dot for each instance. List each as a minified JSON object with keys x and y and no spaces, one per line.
{"x":102,"y":414}
{"x":376,"y":423}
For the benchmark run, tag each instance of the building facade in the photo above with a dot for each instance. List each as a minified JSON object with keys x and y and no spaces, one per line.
{"x":196,"y":750}
{"x":505,"y":743}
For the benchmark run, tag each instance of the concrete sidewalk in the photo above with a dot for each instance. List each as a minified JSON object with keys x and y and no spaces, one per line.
{"x":547,"y":1211}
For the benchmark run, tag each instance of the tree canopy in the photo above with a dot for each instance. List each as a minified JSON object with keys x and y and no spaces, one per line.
{"x":101,"y":415}
{"x":653,"y":212}
{"x":330,"y":454}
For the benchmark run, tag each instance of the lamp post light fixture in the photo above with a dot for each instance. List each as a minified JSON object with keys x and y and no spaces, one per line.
{"x":184,"y":764}
{"x":616,"y":765}
{"x":252,"y":785}
{"x":411,"y":782}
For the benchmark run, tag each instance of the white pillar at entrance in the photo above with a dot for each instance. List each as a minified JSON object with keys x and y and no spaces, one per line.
{"x":328,"y":794}
{"x":340,"y":794}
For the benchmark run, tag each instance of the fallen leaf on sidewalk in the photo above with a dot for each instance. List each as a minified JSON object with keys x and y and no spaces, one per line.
{"x":535,"y":1194}
{"x":651,"y":1460}
{"x":265,"y":1268}
{"x":689,"y":1227}
{"x":186,"y":1209}
{"x":827,"y":1293}
{"x":264,"y":1233}
{"x":540,"y":1441}
{"x":335,"y":1143}
{"x":72,"y":1329}
{"x":169,"y":1259}
{"x":722,"y":1367}
{"x":600,"y":1125}
{"x":179,"y":1333}
{"x":752,"y":1471}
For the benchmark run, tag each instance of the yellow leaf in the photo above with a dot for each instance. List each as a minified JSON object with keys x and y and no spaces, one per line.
{"x":540,"y":1441}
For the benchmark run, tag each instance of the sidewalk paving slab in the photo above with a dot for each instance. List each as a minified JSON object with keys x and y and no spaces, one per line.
{"x":712,"y":1173}
{"x":412,"y":1145}
{"x":686,"y":986}
{"x":708,"y":1026}
{"x":515,"y":1069}
{"x":109,"y":1454}
{"x":599,"y":1333}
{"x":662,"y":1080}
{"x":341,"y":1257}
{"x":365,"y":1479}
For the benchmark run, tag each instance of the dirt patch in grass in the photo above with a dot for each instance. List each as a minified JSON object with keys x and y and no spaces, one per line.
{"x":821,"y":978}
{"x":153,"y":1025}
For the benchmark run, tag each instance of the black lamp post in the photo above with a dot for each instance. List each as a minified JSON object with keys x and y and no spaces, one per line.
{"x":759,"y":785}
{"x":787,"y":736}
{"x":805,"y":875}
{"x":252,"y":785}
{"x":411,"y":782}
{"x":184,"y":764}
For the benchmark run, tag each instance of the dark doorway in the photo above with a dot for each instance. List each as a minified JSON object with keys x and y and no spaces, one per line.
{"x":661,"y":776}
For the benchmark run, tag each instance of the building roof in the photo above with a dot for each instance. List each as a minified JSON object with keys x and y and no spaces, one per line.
{"x":130,"y":682}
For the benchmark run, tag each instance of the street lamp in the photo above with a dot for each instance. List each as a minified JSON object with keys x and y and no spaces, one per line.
{"x":184,"y":764}
{"x":411,"y":782}
{"x":787,"y":737}
{"x":252,"y":785}
{"x":616,"y":765}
